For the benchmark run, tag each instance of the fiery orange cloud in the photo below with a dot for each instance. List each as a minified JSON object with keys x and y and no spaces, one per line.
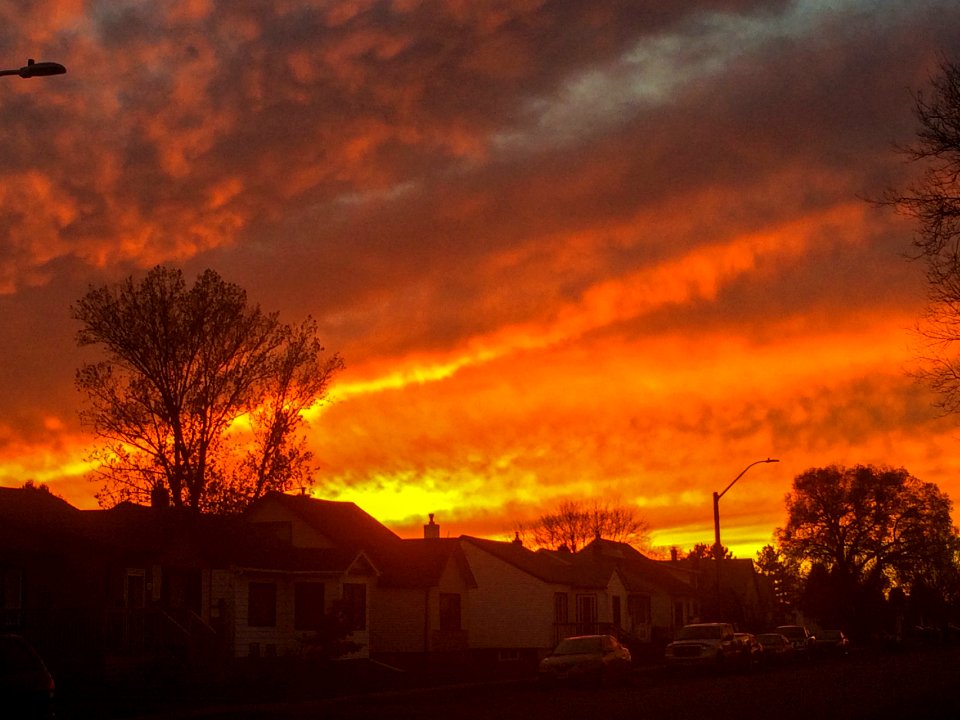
{"x":597,"y":249}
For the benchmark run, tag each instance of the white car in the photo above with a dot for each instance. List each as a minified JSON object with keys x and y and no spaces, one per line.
{"x":593,"y":658}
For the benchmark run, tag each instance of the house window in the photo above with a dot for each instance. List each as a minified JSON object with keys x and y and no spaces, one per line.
{"x":616,"y":611}
{"x":561,"y":608}
{"x":262,"y":605}
{"x":449,"y":611}
{"x":283,"y":530}
{"x":308,"y":606}
{"x":586,"y":614}
{"x":10,"y":597}
{"x":638,"y":608}
{"x":355,"y":605}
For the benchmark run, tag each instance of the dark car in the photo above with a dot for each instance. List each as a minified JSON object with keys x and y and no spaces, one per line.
{"x":801,"y":638}
{"x":776,"y":647}
{"x":590,"y":658}
{"x":751,"y":651}
{"x":832,"y":642}
{"x":26,"y":686}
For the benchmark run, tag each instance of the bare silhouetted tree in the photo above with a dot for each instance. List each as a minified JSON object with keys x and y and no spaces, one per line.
{"x":934,"y":203}
{"x":201,"y":394}
{"x":575,"y":523}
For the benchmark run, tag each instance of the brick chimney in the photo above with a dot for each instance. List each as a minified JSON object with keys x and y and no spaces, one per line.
{"x":431,"y":531}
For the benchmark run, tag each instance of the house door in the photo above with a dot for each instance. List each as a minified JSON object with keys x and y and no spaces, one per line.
{"x":586,"y":614}
{"x":134,"y":608}
{"x":182,"y":590}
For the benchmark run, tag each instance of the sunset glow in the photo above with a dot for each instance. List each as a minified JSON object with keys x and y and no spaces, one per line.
{"x":604,"y":250}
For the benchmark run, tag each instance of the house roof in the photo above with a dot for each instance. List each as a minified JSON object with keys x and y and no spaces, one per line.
{"x":551,"y":567}
{"x":36,"y":520}
{"x":403,"y":563}
{"x":638,"y":572}
{"x":343,"y":523}
{"x":591,"y":567}
{"x":35,"y":507}
{"x":421,"y":562}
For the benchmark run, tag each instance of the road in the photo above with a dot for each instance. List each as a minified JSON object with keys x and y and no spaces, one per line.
{"x":867,"y":685}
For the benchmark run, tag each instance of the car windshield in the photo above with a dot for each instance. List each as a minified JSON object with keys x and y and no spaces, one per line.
{"x":579,"y":646}
{"x":16,"y":656}
{"x":792,"y":632}
{"x":700,"y":632}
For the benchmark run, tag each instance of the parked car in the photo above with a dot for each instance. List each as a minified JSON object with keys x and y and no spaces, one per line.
{"x":777,"y":648}
{"x":703,"y":644}
{"x":832,"y":642}
{"x":798,"y":635}
{"x":751,"y":651}
{"x":26,"y":686}
{"x":591,"y":658}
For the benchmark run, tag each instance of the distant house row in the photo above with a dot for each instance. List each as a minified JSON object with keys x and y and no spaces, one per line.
{"x":108,"y":589}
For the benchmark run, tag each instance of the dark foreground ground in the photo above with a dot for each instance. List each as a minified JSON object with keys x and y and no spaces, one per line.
{"x":915,"y":684}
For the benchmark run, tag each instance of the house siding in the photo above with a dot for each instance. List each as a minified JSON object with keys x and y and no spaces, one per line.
{"x":407,"y":620}
{"x":509,"y":608}
{"x":397,"y":620}
{"x":303,"y":535}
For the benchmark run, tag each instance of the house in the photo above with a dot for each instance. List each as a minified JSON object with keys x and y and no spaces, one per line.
{"x":526,"y":601}
{"x":735,"y":592}
{"x":50,"y":589}
{"x":408,"y":597}
{"x":652,"y":602}
{"x":328,"y":554}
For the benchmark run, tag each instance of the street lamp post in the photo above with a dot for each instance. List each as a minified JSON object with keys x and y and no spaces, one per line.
{"x":717,"y":547}
{"x":36,"y":69}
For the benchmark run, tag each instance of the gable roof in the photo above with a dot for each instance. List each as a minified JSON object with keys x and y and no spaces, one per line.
{"x":591,"y":567}
{"x":550,"y":567}
{"x":36,"y":520}
{"x":403,"y":563}
{"x":35,"y":507}
{"x":422,"y":562}
{"x":638,"y":572}
{"x":343,"y":523}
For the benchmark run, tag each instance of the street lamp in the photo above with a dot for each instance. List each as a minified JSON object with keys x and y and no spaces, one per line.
{"x":36,"y":69}
{"x":717,"y":548}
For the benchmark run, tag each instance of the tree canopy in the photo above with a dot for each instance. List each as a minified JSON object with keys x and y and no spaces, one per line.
{"x":868,"y":523}
{"x":858,"y":537}
{"x":200,"y":395}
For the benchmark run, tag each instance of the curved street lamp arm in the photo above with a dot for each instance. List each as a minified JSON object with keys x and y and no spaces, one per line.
{"x":742,"y":473}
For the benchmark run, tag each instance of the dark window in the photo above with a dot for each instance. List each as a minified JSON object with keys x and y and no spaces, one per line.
{"x":262,"y":605}
{"x":586,"y":614}
{"x":308,"y":605}
{"x":617,"y":618}
{"x":283,"y":530}
{"x":561,"y":608}
{"x":11,"y":590}
{"x":355,"y":605}
{"x":638,"y":608}
{"x":449,"y":611}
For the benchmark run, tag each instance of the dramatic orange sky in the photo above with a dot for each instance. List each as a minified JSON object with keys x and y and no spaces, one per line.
{"x":614,"y":249}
